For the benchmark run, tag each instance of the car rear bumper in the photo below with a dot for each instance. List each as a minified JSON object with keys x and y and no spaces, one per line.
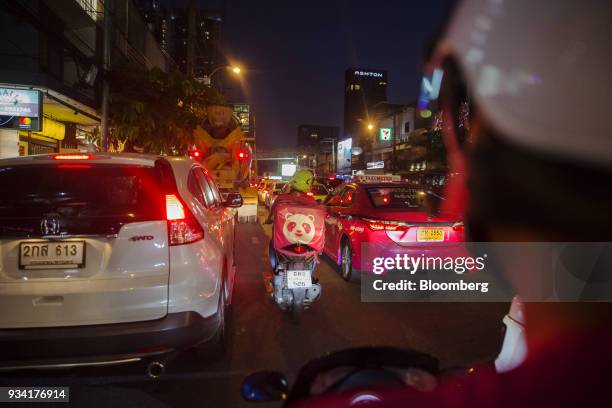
{"x":99,"y":344}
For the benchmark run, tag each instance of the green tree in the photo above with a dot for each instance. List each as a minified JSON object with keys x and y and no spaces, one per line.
{"x":155,"y":110}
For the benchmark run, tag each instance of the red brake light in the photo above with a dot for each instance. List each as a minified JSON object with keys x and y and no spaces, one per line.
{"x":183,"y":228}
{"x":385,"y":199}
{"x":174,"y":208}
{"x":74,"y":166}
{"x":310,"y":194}
{"x":195,"y":154}
{"x":458,"y":226}
{"x":298,"y":249}
{"x":72,"y":157}
{"x":242,"y":154}
{"x":382,"y":225}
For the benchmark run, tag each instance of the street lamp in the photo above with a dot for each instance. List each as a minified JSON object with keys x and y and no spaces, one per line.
{"x":206,"y":79}
{"x":370,"y":126}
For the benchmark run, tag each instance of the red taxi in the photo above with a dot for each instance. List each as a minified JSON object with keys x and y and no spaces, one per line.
{"x":386,"y":211}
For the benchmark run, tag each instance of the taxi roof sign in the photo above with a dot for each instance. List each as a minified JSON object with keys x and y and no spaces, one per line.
{"x":378,"y":178}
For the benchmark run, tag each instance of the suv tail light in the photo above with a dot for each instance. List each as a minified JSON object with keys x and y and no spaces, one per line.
{"x":72,"y":156}
{"x":183,"y":228}
{"x":382,"y":225}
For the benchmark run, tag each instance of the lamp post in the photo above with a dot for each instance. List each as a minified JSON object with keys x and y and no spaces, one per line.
{"x":206,"y":79}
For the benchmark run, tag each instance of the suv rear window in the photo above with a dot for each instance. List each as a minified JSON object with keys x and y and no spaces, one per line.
{"x":395,"y":197}
{"x":88,"y":199}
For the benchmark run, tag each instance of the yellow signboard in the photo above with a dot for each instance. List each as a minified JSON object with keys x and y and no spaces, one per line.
{"x":53,"y":129}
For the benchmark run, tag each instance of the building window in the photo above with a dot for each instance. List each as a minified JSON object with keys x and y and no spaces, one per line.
{"x":407,"y":127}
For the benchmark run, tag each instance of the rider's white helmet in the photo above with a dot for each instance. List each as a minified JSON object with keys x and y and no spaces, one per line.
{"x":539,"y":72}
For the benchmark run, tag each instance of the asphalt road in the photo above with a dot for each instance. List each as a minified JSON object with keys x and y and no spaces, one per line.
{"x":262,"y":337}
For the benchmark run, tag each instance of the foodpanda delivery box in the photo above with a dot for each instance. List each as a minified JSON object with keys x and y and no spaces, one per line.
{"x":301,"y":224}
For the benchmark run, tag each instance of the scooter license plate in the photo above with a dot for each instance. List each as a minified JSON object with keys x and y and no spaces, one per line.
{"x":299,"y":279}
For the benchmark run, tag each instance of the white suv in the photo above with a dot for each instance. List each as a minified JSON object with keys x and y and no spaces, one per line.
{"x":108,"y":258}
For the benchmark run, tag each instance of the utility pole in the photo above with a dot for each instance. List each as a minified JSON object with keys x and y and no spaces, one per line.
{"x":106,"y":51}
{"x":397,"y":116}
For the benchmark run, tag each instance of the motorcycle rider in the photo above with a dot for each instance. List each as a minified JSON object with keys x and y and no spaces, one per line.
{"x":299,"y":186}
{"x":537,"y":167}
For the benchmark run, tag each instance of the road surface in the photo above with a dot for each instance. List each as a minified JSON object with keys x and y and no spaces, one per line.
{"x":263,"y":337}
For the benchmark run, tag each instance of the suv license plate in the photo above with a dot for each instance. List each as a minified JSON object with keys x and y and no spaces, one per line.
{"x":51,"y":254}
{"x":299,"y":279}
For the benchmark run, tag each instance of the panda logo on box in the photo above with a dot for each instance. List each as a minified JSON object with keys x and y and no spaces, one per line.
{"x":299,"y":228}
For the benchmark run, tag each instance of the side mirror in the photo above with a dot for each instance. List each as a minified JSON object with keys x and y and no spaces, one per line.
{"x":262,"y":386}
{"x":233,"y":200}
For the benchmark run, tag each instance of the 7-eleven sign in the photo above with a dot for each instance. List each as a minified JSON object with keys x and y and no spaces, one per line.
{"x":386,"y":134}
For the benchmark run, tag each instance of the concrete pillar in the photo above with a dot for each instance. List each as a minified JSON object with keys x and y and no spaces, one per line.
{"x":9,"y":143}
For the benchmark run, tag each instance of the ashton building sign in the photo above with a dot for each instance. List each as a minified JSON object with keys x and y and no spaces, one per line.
{"x":371,"y":74}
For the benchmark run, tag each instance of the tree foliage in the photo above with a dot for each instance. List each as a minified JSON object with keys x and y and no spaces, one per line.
{"x":155,"y":110}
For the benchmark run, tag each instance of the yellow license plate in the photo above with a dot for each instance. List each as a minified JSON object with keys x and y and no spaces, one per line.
{"x":430,"y":234}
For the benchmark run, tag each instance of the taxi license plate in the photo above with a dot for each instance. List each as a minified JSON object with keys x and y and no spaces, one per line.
{"x":430,"y":234}
{"x":299,"y":279}
{"x":51,"y":255}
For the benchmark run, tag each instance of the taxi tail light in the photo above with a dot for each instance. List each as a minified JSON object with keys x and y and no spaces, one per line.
{"x":183,"y":228}
{"x":458,"y":226}
{"x":382,"y":225}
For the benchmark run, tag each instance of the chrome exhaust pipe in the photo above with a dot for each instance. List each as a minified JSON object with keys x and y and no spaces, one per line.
{"x":155,"y":369}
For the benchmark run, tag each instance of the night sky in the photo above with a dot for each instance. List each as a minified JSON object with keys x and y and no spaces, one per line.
{"x":296,"y":52}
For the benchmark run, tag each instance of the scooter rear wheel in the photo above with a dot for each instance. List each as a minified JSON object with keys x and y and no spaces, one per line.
{"x":297,"y":308}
